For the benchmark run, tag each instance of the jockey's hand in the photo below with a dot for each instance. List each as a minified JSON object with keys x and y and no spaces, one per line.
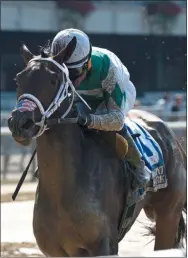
{"x":84,"y":119}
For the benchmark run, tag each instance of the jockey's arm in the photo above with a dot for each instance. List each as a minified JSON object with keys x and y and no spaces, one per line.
{"x":117,"y":105}
{"x":113,"y":120}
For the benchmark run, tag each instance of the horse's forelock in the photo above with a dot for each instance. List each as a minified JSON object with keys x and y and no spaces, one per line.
{"x":45,"y":51}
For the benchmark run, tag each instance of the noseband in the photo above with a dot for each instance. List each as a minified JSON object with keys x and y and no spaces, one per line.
{"x":61,"y":95}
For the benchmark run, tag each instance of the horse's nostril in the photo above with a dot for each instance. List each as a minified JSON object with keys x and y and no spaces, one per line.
{"x":28,"y":123}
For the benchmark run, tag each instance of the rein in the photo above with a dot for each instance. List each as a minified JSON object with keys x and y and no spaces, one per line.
{"x":46,"y":121}
{"x":53,"y":121}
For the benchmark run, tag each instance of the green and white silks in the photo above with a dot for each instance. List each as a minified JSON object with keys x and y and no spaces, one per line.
{"x":108,"y":90}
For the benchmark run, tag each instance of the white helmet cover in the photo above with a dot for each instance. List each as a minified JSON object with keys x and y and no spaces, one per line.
{"x":82,"y":51}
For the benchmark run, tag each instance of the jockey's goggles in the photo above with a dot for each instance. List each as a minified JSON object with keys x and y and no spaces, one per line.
{"x":75,"y":73}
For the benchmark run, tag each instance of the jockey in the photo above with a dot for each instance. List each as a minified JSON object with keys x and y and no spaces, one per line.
{"x":104,"y":82}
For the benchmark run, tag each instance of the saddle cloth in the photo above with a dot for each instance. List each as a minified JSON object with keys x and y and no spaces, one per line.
{"x":147,"y":146}
{"x":152,"y":155}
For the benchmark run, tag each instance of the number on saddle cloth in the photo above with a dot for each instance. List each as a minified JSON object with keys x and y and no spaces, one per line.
{"x":146,"y":145}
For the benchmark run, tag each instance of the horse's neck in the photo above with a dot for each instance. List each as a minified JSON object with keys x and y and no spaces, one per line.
{"x":59,"y":158}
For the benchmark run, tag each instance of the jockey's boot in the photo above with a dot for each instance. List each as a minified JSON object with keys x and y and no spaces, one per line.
{"x":133,"y":156}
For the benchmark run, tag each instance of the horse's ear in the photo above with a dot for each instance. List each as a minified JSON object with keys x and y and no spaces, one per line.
{"x":25,"y":53}
{"x":66,"y":52}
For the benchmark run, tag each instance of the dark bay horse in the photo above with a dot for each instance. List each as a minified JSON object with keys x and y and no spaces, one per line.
{"x":82,"y":184}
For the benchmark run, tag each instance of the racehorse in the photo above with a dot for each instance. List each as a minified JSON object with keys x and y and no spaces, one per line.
{"x":83,"y":184}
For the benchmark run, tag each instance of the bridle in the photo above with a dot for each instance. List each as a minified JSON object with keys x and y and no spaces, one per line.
{"x":61,"y":95}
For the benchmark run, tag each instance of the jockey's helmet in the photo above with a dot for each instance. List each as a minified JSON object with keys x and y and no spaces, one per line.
{"x":80,"y":57}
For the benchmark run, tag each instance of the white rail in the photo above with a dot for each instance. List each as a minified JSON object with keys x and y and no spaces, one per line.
{"x":173,"y":125}
{"x":5,"y":131}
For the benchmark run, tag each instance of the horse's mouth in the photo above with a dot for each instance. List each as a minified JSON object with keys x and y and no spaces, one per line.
{"x":22,"y":140}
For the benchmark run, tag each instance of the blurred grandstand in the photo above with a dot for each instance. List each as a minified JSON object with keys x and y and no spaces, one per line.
{"x":148,"y":36}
